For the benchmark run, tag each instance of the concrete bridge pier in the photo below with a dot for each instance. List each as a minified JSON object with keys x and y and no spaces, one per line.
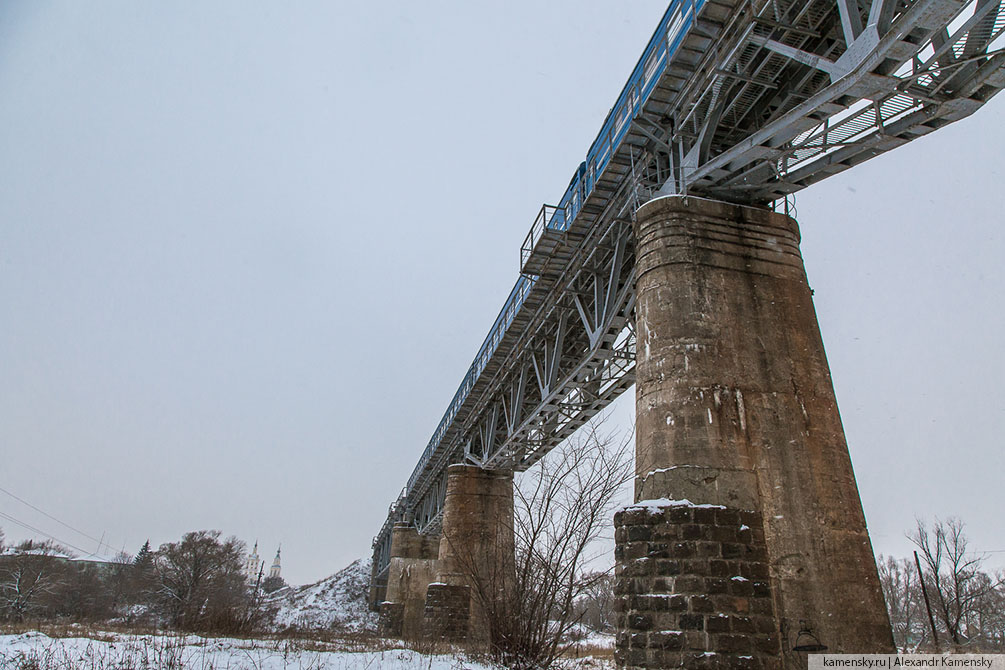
{"x":475,"y":554}
{"x":413,"y":566}
{"x":747,"y":544}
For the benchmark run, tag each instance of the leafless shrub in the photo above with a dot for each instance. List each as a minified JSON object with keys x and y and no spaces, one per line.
{"x":560,"y":508}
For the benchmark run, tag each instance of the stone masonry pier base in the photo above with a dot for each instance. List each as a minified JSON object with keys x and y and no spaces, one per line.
{"x":748,"y":528}
{"x":476,"y":553}
{"x":413,"y":566}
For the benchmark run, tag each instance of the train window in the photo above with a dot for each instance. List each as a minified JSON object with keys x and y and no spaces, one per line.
{"x":622,"y":118}
{"x":556,"y":220}
{"x":605,"y":153}
{"x":673,"y":30}
{"x":651,"y":63}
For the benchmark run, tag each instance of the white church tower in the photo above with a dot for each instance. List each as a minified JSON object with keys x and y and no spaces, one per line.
{"x":274,"y":570}
{"x":253,"y":564}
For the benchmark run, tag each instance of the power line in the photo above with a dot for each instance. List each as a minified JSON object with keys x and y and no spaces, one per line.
{"x":42,"y":532}
{"x":46,"y":514}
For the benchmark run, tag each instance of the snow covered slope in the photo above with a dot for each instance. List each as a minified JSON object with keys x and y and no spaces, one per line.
{"x":338,"y":602}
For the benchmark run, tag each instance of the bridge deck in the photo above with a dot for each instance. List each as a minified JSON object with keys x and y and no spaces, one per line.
{"x":745,"y":102}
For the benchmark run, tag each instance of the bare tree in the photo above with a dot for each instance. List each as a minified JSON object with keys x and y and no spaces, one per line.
{"x":560,"y":508}
{"x":986,"y":623}
{"x":83,"y":594}
{"x":28,"y":573}
{"x":899,"y":580}
{"x":955,"y":582}
{"x":200,"y":582}
{"x":993,"y":614}
{"x":595,"y":608}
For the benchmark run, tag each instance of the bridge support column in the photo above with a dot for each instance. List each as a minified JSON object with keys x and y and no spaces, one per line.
{"x":413,"y":567}
{"x":378,"y":590}
{"x":476,"y":553}
{"x":748,"y":527}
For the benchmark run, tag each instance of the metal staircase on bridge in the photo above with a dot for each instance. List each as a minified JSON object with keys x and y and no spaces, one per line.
{"x":741,"y":101}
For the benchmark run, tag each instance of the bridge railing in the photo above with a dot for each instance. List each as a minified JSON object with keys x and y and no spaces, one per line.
{"x":549,"y":218}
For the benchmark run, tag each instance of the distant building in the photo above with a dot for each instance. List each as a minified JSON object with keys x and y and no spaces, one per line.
{"x":255,"y":566}
{"x":254,"y":562}
{"x":44,"y":551}
{"x":274,"y":570}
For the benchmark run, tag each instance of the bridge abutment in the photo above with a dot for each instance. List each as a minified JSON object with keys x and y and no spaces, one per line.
{"x":749,"y":527}
{"x":413,"y":567}
{"x":475,"y":553}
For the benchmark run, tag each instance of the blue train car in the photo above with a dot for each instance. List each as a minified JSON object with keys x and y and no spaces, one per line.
{"x":665,"y":40}
{"x":570,"y":203}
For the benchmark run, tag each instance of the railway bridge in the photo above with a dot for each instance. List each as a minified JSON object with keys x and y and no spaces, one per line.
{"x":670,"y":263}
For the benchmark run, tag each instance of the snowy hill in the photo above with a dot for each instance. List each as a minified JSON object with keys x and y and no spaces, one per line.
{"x":338,"y":602}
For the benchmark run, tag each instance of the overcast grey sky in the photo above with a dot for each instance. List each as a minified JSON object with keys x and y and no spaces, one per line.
{"x":248,"y":250}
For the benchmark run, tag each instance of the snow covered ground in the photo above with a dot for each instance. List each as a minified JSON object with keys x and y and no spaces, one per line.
{"x":36,"y":651}
{"x":338,"y":602}
{"x":113,"y":651}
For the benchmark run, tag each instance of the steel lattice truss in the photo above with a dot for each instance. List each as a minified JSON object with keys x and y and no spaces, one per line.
{"x":742,"y":101}
{"x":791,"y":92}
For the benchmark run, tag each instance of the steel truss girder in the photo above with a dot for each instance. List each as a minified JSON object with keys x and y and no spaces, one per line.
{"x":816,"y":87}
{"x":581,"y":359}
{"x":581,"y":368}
{"x":538,"y":418}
